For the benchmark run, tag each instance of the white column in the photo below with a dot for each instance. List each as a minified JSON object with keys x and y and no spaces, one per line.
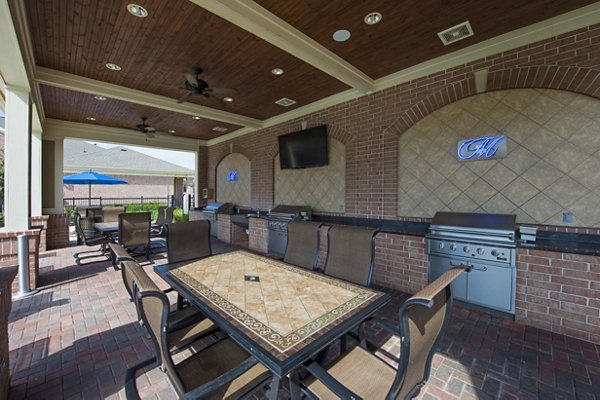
{"x":36,"y":173}
{"x":58,"y":176}
{"x":17,"y":160}
{"x":197,"y":193}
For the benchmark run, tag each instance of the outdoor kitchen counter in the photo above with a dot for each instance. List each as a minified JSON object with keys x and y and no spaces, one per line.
{"x":576,"y":243}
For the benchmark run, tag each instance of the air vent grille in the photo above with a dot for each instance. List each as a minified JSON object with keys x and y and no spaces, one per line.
{"x":456,"y":33}
{"x":219,"y":129}
{"x":285,"y":102}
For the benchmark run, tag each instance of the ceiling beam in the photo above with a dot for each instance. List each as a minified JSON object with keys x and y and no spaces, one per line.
{"x":54,"y":129}
{"x":258,"y":21}
{"x":77,"y":83}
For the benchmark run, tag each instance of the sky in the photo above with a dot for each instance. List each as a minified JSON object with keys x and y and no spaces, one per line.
{"x":181,"y":158}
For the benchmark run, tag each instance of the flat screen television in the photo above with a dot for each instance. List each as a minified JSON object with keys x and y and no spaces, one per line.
{"x":304,"y":149}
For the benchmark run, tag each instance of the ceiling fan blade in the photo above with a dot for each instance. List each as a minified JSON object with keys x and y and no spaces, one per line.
{"x":184,"y":98}
{"x":191,"y":79}
{"x":219,"y":90}
{"x":149,"y":134}
{"x":215,"y":100}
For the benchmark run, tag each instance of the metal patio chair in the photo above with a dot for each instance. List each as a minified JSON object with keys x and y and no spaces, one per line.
{"x":221,"y":370}
{"x":358,"y":373}
{"x":351,"y":253}
{"x":303,"y":242}
{"x":102,"y":241}
{"x":134,"y":231}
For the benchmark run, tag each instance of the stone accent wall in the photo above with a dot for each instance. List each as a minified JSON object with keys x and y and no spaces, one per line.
{"x":258,"y":239}
{"x":57,"y":232}
{"x":236,"y":191}
{"x":559,"y":292}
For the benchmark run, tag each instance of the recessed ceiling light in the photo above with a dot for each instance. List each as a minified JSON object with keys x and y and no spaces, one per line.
{"x":113,"y":67}
{"x":277,"y":71}
{"x":90,"y":118}
{"x":100,"y":98}
{"x":195,"y":117}
{"x":171,"y":131}
{"x":373,"y":18}
{"x":136,"y":10}
{"x":219,"y":129}
{"x":228,"y":99}
{"x":341,"y":36}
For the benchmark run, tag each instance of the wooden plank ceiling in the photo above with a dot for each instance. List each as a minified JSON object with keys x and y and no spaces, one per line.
{"x":79,"y":37}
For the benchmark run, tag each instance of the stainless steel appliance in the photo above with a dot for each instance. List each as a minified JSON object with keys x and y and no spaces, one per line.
{"x":211,"y":211}
{"x":277,"y":222}
{"x":484,"y":242}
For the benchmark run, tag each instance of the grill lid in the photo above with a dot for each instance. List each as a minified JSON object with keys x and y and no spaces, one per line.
{"x":283,"y":211}
{"x":489,"y":228}
{"x":219,"y":207}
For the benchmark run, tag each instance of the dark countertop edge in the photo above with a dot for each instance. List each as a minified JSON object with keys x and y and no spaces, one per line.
{"x":562,"y":242}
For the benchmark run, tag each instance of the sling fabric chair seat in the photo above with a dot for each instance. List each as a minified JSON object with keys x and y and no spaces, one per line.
{"x":302,"y":244}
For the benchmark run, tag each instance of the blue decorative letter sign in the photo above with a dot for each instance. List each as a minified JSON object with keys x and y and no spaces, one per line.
{"x":232,"y":176}
{"x":486,"y":148}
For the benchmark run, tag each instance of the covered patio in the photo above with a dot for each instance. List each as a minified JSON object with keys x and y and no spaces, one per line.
{"x":77,"y":336}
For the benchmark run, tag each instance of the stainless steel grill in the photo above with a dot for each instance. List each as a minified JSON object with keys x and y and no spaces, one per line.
{"x":484,"y":242}
{"x":211,"y":211}
{"x":277,"y":222}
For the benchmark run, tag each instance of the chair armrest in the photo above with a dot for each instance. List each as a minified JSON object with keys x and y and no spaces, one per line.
{"x":130,"y":387}
{"x":425,"y":296}
{"x":221,"y":380}
{"x":329,"y":381}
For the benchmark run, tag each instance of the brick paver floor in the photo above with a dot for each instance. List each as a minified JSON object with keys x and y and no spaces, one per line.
{"x":75,"y":338}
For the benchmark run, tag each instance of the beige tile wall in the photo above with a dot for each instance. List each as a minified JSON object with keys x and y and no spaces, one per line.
{"x":236,"y":192}
{"x":552,"y":166}
{"x":322,"y":188}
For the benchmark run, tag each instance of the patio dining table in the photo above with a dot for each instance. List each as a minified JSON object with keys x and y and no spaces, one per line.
{"x":281,"y":314}
{"x":108,"y":228}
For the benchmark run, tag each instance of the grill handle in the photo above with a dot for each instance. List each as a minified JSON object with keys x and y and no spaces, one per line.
{"x":436,"y":231}
{"x":470,"y":266}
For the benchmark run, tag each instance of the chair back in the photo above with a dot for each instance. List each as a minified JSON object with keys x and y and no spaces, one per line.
{"x":82,"y":225}
{"x":188,"y":240}
{"x":302,"y":244}
{"x":134,"y":229}
{"x":423,"y":321}
{"x":351,"y":253}
{"x":160,"y":215}
{"x":153,"y":307}
{"x":168,"y":215}
{"x":111,"y":214}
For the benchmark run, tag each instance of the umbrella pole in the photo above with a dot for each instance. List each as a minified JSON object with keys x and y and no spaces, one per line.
{"x":89,"y":194}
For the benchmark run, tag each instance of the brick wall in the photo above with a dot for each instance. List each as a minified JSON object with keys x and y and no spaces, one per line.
{"x":57,"y":232}
{"x":42,"y":221}
{"x":9,"y":254}
{"x":224,"y":226}
{"x":195,"y":215}
{"x":258,"y":239}
{"x":559,"y":292}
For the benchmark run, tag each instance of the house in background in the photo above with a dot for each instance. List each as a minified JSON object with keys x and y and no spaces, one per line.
{"x":146,"y":176}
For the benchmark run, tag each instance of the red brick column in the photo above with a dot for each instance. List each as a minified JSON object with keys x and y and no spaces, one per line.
{"x":57,"y":232}
{"x":224,"y":224}
{"x":259,"y":235}
{"x":41,"y":220}
{"x":9,"y":254}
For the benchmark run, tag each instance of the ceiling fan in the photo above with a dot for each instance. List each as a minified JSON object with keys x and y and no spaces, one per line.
{"x":198,"y":87}
{"x":147,"y":129}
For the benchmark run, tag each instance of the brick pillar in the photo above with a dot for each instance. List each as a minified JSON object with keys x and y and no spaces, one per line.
{"x":259,"y":235}
{"x":57,"y":232}
{"x":9,"y":254}
{"x":42,"y":221}
{"x":224,"y":232}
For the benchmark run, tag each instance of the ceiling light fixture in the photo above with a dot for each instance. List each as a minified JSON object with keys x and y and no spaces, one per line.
{"x":100,"y":98}
{"x":277,"y":71}
{"x":90,"y":118}
{"x":373,"y":18}
{"x":228,"y":99}
{"x":171,"y":131}
{"x":341,"y":35}
{"x":113,"y":67}
{"x":196,"y":117}
{"x":137,"y":11}
{"x":219,"y":129}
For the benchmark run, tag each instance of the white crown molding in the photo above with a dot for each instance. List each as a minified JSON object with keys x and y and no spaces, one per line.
{"x":77,"y":83}
{"x":58,"y":129}
{"x":253,"y":18}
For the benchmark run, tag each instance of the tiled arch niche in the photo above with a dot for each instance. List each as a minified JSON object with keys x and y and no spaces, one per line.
{"x":552,"y":166}
{"x":233,"y":180}
{"x":322,"y":188}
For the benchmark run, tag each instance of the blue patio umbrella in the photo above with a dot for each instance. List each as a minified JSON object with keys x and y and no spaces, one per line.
{"x":92,"y":178}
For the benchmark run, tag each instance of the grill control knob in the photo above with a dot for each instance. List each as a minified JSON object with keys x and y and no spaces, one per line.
{"x":453,"y":247}
{"x":441,"y":245}
{"x":480,"y":251}
{"x":495,"y":253}
{"x":466,"y":249}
